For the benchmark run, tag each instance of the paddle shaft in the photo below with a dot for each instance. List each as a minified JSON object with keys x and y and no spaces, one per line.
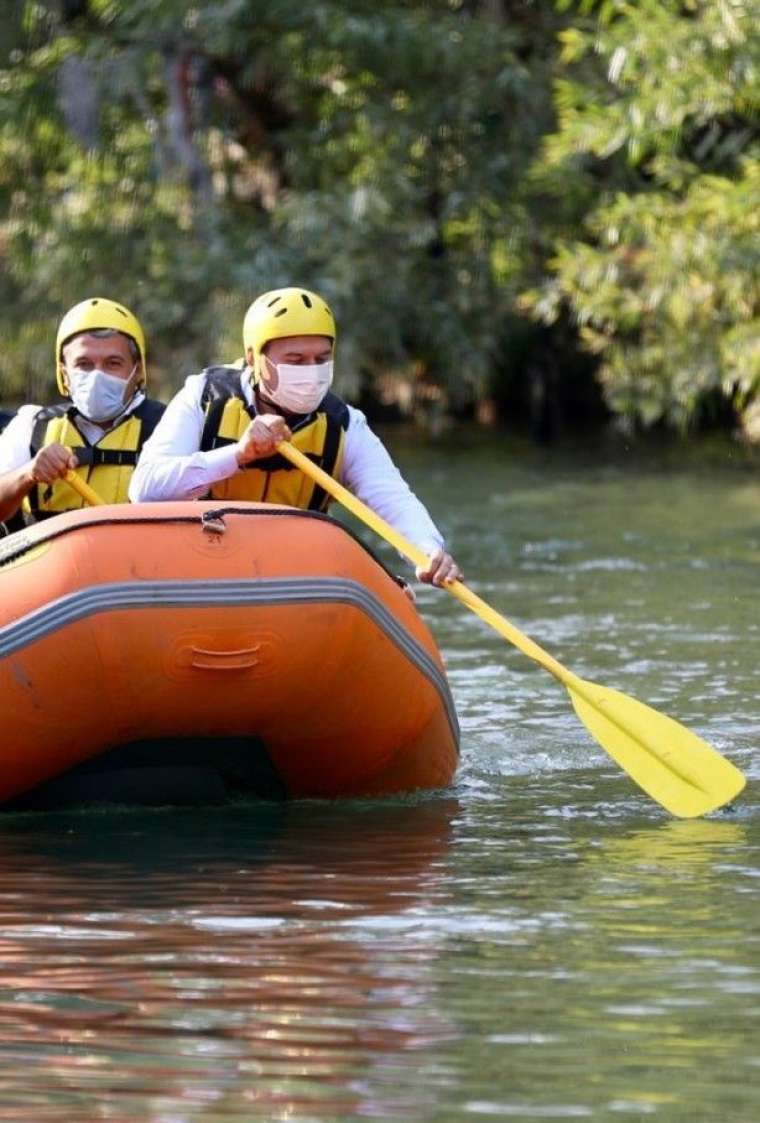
{"x":77,"y":483}
{"x":457,"y":588}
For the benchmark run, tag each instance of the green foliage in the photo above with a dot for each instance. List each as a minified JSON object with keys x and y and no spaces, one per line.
{"x":657,"y":112}
{"x":447,"y":172}
{"x":372,"y":151}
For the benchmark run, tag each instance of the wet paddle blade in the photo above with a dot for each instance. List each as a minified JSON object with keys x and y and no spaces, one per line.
{"x":674,"y":766}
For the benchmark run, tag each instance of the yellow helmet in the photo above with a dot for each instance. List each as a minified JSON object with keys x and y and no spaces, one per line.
{"x":282,"y":313}
{"x":93,"y":315}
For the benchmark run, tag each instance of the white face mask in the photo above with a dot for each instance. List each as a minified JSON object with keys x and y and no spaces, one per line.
{"x":300,"y":389}
{"x":98,"y":396}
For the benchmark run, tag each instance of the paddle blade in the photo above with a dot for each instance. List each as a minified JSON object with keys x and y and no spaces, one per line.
{"x":674,"y":766}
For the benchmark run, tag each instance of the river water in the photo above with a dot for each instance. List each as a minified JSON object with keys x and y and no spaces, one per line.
{"x":540,"y":942}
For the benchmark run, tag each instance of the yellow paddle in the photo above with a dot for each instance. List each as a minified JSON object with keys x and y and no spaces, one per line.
{"x":675,"y":767}
{"x":84,"y":489}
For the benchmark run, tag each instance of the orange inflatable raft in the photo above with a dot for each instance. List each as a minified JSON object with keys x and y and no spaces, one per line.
{"x":153,"y":650}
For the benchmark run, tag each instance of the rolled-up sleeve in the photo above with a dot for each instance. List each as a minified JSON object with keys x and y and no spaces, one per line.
{"x":369,"y":472}
{"x":171,"y":465}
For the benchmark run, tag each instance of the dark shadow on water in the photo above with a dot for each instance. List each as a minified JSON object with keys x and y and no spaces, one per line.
{"x":136,"y":850}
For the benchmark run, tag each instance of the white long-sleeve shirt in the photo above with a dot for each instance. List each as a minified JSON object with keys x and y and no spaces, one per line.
{"x":171,"y":465}
{"x":16,"y":437}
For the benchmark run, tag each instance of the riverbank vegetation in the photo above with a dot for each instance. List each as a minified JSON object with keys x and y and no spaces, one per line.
{"x":544,"y":212}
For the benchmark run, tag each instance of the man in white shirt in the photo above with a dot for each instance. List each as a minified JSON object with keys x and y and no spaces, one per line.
{"x":220,"y":433}
{"x":98,"y":431}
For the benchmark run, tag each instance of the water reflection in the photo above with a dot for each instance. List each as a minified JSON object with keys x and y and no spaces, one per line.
{"x":222,"y":960}
{"x":689,"y":845}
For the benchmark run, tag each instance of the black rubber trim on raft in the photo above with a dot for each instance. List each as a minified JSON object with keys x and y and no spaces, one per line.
{"x":11,"y":549}
{"x":58,"y":614}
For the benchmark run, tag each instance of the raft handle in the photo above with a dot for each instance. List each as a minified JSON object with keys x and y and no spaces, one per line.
{"x":205,"y":659}
{"x":212,"y":522}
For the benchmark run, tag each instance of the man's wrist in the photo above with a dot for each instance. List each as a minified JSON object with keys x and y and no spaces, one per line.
{"x":28,"y":477}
